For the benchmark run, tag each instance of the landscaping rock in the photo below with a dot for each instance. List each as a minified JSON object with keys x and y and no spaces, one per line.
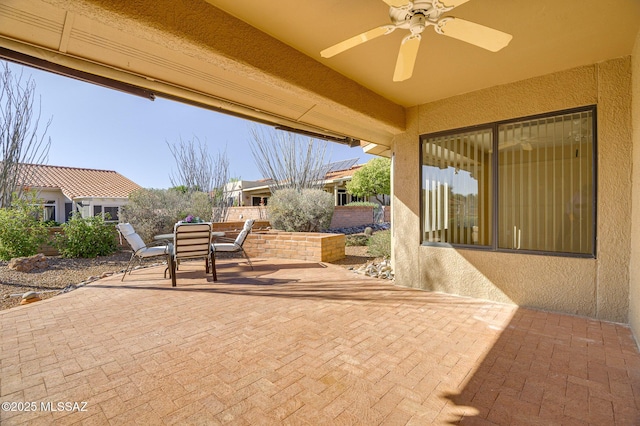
{"x":28,"y":264}
{"x":374,"y":269}
{"x":29,"y":297}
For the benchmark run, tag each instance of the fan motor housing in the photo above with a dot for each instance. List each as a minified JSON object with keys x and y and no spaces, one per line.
{"x":402,"y":16}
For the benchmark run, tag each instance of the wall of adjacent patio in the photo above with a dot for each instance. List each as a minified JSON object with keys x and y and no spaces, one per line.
{"x":595,"y":287}
{"x":343,"y":216}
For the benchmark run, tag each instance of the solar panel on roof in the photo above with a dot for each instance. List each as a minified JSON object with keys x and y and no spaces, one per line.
{"x":339,"y":165}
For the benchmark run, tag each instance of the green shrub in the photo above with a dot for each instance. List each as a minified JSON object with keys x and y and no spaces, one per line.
{"x":307,"y":210}
{"x":356,"y":240}
{"x":380,"y":244}
{"x":362,"y":204}
{"x":21,"y":232}
{"x":86,"y":237}
{"x":155,"y":211}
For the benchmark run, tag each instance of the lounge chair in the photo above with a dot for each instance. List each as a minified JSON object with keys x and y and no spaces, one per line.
{"x":139,"y":248}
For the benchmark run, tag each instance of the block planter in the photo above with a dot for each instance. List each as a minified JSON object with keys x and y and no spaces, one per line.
{"x":311,"y":246}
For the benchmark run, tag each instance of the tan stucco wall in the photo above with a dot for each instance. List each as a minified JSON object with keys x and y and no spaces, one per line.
{"x":592,"y":287}
{"x":634,"y":266}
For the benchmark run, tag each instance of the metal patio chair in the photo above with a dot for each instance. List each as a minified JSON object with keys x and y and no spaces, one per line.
{"x":139,"y":248}
{"x":228,"y":245}
{"x":192,"y":241}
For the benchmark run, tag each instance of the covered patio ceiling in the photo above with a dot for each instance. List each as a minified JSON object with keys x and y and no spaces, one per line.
{"x":261,"y":60}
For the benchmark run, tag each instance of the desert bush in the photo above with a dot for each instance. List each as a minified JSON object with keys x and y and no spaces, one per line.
{"x":86,"y":238}
{"x":362,"y":204}
{"x":155,"y":211}
{"x":356,"y":240}
{"x":306,"y":210}
{"x":21,"y":231}
{"x":380,"y":244}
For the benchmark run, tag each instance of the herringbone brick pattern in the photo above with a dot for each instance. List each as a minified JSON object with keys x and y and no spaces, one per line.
{"x":300,"y":343}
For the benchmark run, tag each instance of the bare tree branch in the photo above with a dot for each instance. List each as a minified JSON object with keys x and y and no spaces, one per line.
{"x":19,"y":141}
{"x":289,"y":160}
{"x":194,"y":165}
{"x":200,"y":171}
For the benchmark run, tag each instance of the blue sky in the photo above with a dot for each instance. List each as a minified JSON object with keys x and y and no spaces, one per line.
{"x":100,"y":128}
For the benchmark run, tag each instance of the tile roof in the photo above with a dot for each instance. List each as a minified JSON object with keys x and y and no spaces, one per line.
{"x":78,"y":182}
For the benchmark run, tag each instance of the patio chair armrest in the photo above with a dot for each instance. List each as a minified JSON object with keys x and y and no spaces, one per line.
{"x":169,"y":249}
{"x":159,"y":243}
{"x":223,"y":240}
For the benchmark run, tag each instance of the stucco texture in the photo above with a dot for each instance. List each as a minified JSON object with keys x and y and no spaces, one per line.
{"x":592,"y":287}
{"x":634,"y":265}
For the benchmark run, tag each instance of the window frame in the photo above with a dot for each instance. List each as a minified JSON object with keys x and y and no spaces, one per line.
{"x":494,"y":127}
{"x":101,"y":211}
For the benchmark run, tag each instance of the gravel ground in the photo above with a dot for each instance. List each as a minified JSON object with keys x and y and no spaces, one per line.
{"x":64,"y":274}
{"x":61,"y":274}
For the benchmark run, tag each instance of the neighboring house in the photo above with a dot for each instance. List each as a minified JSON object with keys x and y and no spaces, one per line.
{"x":90,"y":192}
{"x":257,"y":193}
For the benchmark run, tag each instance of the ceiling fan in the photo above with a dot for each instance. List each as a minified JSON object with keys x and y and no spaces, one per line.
{"x":416,"y":16}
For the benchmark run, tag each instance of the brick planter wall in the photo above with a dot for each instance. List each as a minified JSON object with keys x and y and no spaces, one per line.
{"x":48,"y":249}
{"x":309,"y":246}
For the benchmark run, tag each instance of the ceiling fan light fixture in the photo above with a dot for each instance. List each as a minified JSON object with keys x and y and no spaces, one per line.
{"x":417,"y":23}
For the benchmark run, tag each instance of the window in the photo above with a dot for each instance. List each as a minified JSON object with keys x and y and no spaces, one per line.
{"x":112,"y":212}
{"x":104,"y":210}
{"x":342,"y":197}
{"x":68,"y":211}
{"x":259,"y":201}
{"x":49,"y":207}
{"x":345,"y":198}
{"x":535,"y":195}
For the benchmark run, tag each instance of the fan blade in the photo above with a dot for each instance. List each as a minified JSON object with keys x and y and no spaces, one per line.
{"x":476,"y":34}
{"x":398,"y":3}
{"x":407,"y":57}
{"x":356,"y":40}
{"x":453,"y":3}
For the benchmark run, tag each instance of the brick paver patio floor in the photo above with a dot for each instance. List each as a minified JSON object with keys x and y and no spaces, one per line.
{"x":305,"y":343}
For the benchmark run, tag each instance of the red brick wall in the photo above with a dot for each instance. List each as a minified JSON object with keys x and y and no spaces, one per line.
{"x":349,"y":216}
{"x":343,"y":216}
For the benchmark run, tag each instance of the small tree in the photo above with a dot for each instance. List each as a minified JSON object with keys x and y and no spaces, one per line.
{"x":287,"y":159}
{"x":199,"y":171}
{"x":19,"y":140}
{"x":372,"y":180}
{"x":155,"y":211}
{"x":296,"y":171}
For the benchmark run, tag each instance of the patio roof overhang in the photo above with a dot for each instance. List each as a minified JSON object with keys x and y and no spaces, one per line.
{"x":146,"y":50}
